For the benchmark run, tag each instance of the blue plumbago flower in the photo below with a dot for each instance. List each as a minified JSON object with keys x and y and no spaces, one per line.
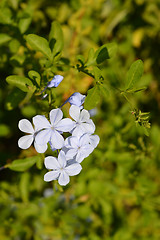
{"x":26,"y":141}
{"x":78,"y":147}
{"x":61,"y":170}
{"x":83,"y":123}
{"x":76,"y":99}
{"x":51,"y":131}
{"x":54,"y":82}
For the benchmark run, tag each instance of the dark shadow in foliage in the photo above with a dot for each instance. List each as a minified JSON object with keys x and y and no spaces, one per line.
{"x":102,"y":55}
{"x":52,"y":43}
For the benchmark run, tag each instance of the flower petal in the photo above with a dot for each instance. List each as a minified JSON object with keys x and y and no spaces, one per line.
{"x":62,"y":159}
{"x":63,"y":178}
{"x":25,"y":126}
{"x":88,"y":128}
{"x":71,"y":153}
{"x":51,"y":163}
{"x":65,"y":125}
{"x":43,"y":136}
{"x":84,"y":152}
{"x":74,"y":142}
{"x":84,"y":116}
{"x":40,"y":148}
{"x":41,"y":122}
{"x":55,"y":116}
{"x":67,"y":142}
{"x":74,"y":112}
{"x":55,"y":81}
{"x":84,"y":139}
{"x":25,"y":141}
{"x":56,"y":139}
{"x":94,"y":140}
{"x":50,"y":176}
{"x":73,"y":169}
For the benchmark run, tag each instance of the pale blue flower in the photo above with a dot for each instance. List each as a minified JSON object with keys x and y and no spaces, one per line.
{"x":26,"y":141}
{"x":51,"y":131}
{"x":78,"y":147}
{"x":61,"y":170}
{"x":54,"y":82}
{"x":76,"y":99}
{"x":82,"y":122}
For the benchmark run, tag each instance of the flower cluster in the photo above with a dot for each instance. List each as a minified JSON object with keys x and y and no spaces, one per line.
{"x":49,"y":133}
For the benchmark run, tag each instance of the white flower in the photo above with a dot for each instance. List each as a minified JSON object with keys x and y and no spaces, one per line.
{"x":78,"y":147}
{"x":93,"y":140}
{"x":60,"y":169}
{"x":83,"y":123}
{"x":52,"y":131}
{"x":26,"y":141}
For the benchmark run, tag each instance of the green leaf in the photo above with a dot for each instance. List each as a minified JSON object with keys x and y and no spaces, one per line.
{"x":4,"y":38}
{"x":20,"y":82}
{"x":14,"y":98}
{"x":134,"y":74}
{"x":24,"y":185}
{"x":104,"y":90}
{"x":24,"y":22}
{"x":14,"y":45}
{"x":6,"y":16}
{"x":39,"y":44}
{"x":134,"y":90}
{"x":81,"y":59}
{"x":21,"y":165}
{"x":97,"y":73}
{"x":4,"y":130}
{"x":56,"y":41}
{"x":35,"y":76}
{"x":93,"y":97}
{"x":105,"y":52}
{"x":17,"y":60}
{"x":91,"y":58}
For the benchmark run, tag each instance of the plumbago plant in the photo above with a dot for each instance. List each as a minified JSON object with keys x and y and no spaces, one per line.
{"x":70,"y":139}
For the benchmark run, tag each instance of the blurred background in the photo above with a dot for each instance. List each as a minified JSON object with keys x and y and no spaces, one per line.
{"x":117,"y":194}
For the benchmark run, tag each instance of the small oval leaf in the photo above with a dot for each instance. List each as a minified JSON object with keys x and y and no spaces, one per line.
{"x":93,"y":97}
{"x":56,"y":38}
{"x":134,"y":74}
{"x":39,"y":44}
{"x":20,"y":82}
{"x":21,"y":165}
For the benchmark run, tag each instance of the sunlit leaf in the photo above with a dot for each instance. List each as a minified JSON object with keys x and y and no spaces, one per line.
{"x":93,"y":98}
{"x":39,"y":44}
{"x":34,"y":76}
{"x":23,"y":83}
{"x":134,"y":74}
{"x":4,"y":38}
{"x":56,"y":41}
{"x":21,"y":165}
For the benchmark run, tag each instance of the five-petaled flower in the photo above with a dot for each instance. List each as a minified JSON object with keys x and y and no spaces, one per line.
{"x":51,"y":131}
{"x":83,"y":123}
{"x":60,"y":169}
{"x":26,"y":141}
{"x":78,"y":147}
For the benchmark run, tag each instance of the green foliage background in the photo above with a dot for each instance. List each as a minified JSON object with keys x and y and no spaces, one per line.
{"x":117,"y":194}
